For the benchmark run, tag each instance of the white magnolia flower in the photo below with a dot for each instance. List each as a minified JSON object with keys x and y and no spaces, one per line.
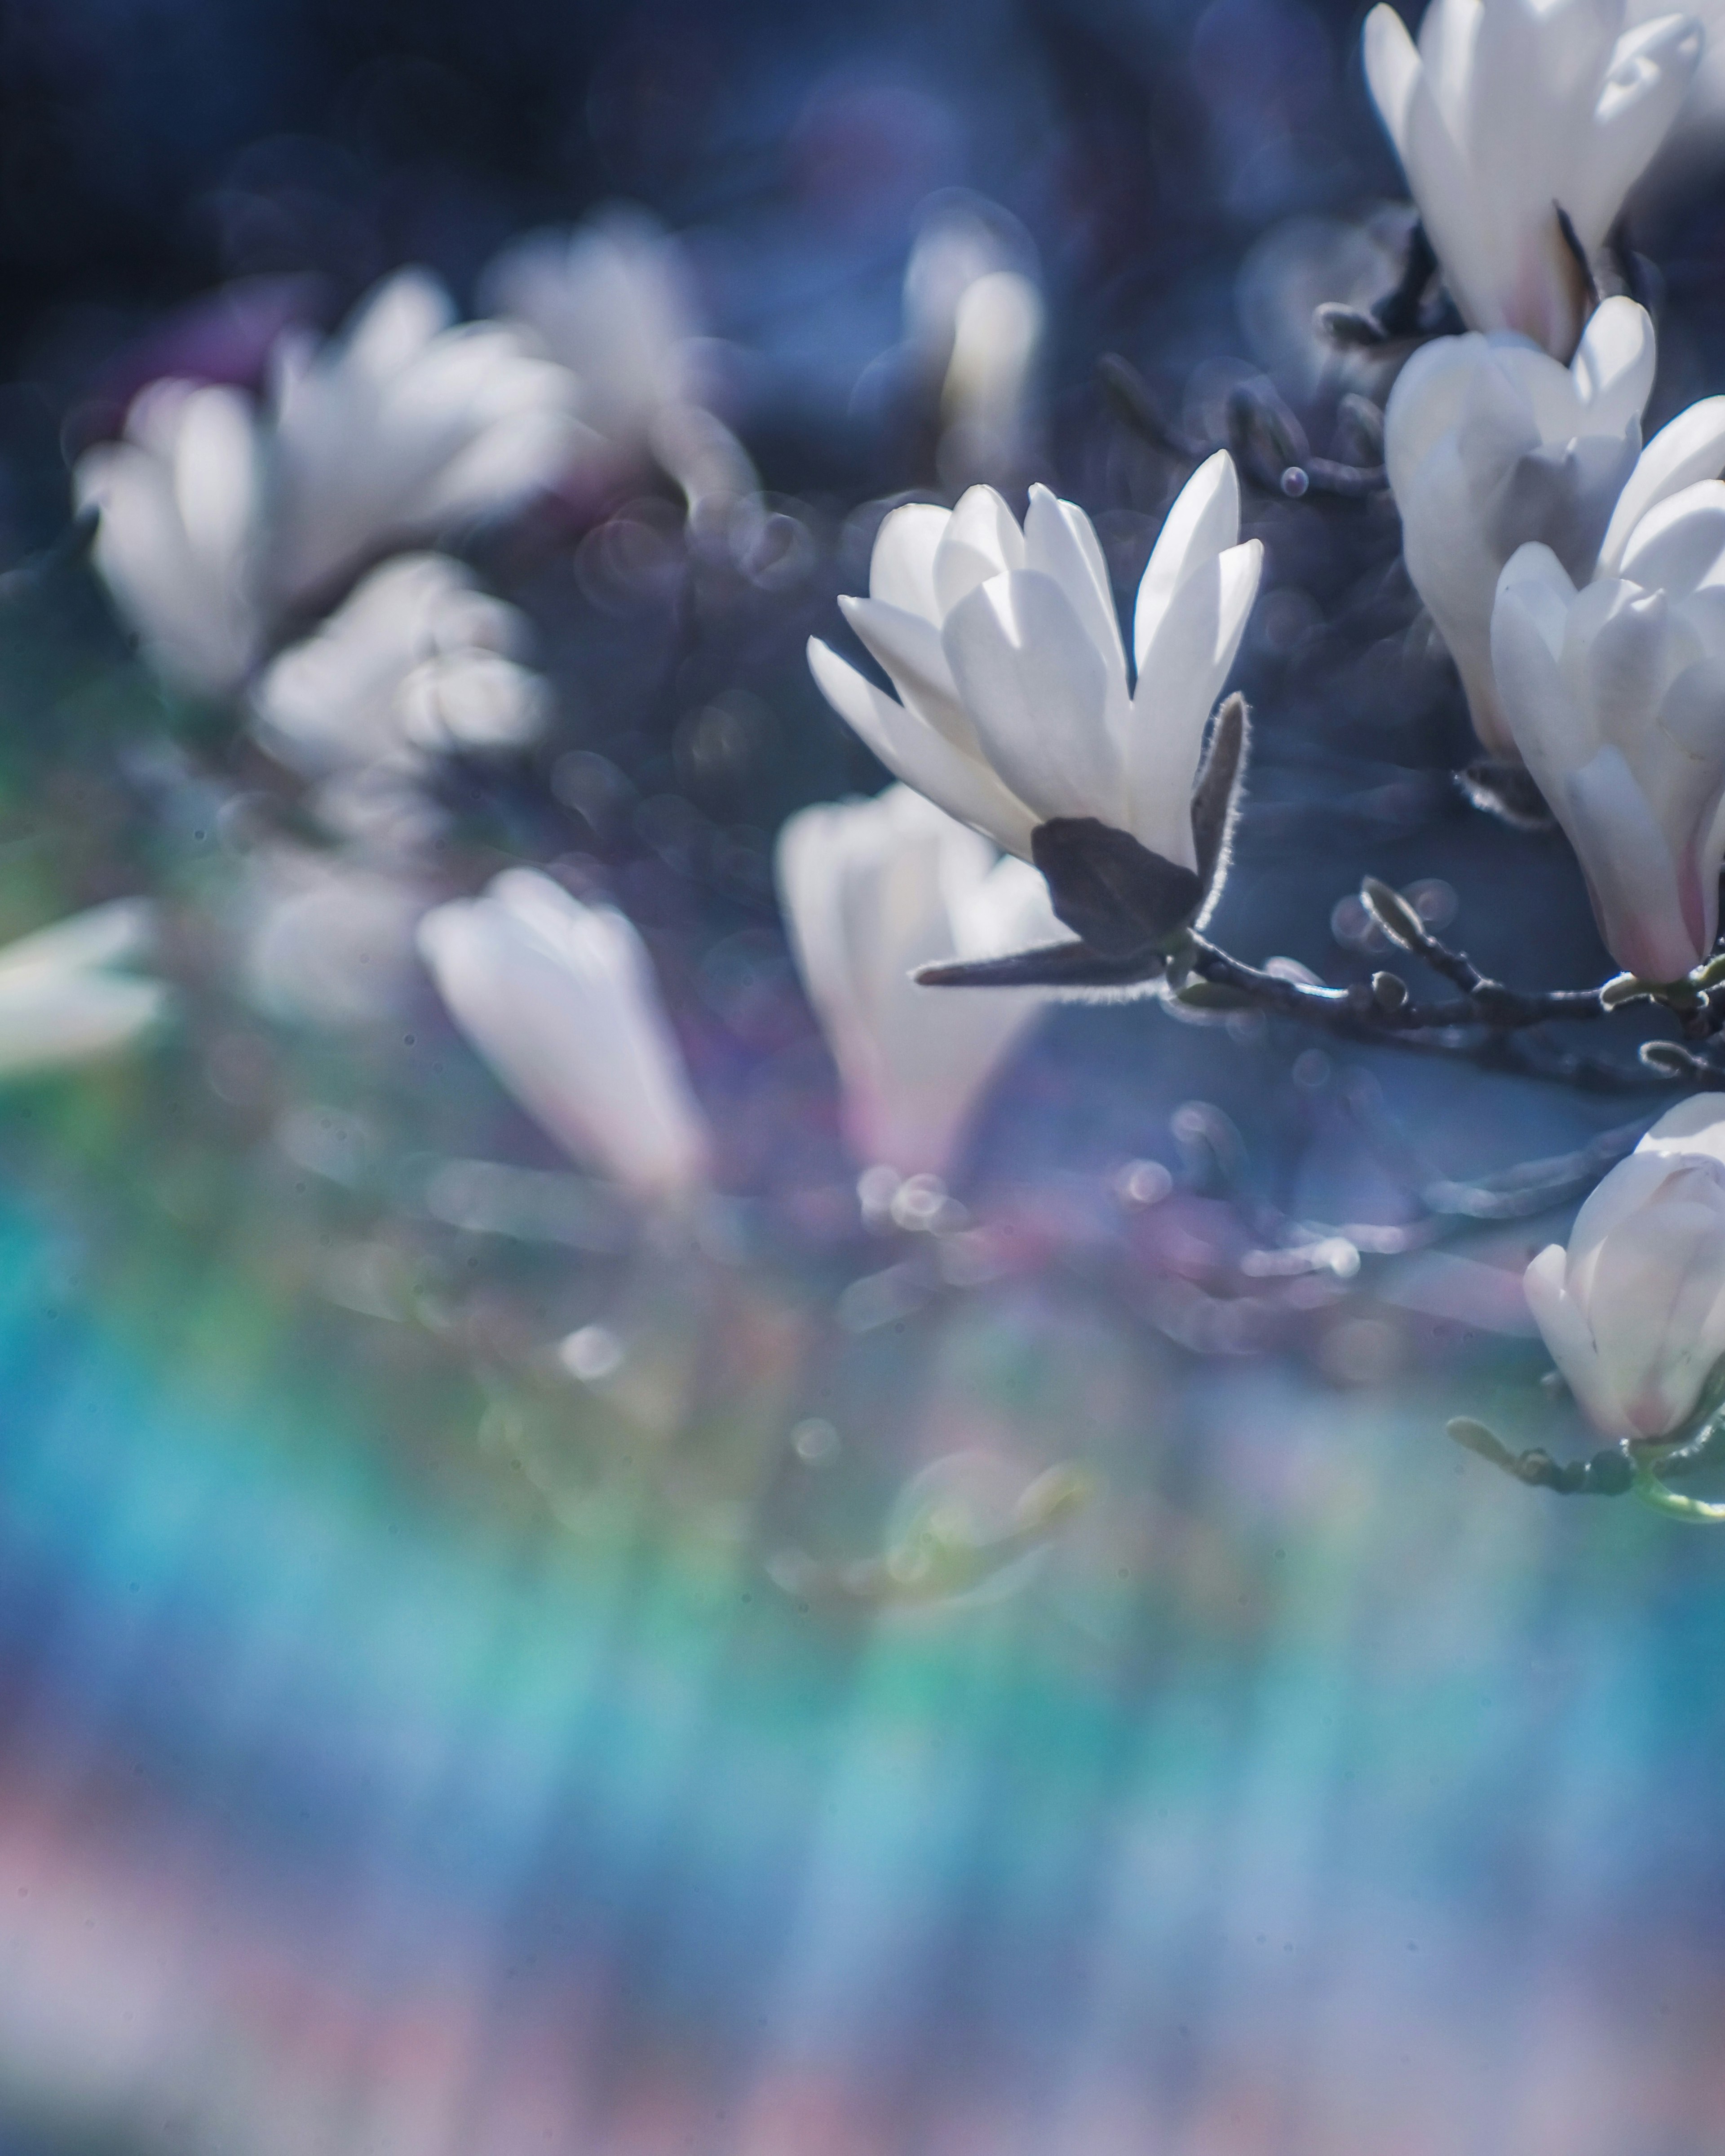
{"x":419,"y":658}
{"x":1490,"y":444}
{"x":1634,"y":1311}
{"x":1015,"y":707}
{"x":61,"y":1001}
{"x":873,"y":890}
{"x":179,"y":539}
{"x":974,"y":322}
{"x":1616,"y":696}
{"x":560,"y":999}
{"x":1509,"y":111}
{"x":611,"y":303}
{"x":405,"y":426}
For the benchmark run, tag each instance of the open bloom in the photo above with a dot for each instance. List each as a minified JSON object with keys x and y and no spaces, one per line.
{"x":1616,"y":697}
{"x":559,"y":998}
{"x":1015,"y":711}
{"x":180,"y":535}
{"x":1508,"y":112}
{"x":873,"y":890}
{"x":1634,"y":1311}
{"x":403,"y":427}
{"x":1490,"y":444}
{"x":419,"y":658}
{"x":61,"y":999}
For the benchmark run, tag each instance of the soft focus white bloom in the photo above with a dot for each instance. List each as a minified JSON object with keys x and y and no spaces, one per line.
{"x":609,"y":301}
{"x":178,"y":541}
{"x":873,"y":890}
{"x":1509,"y":111}
{"x":403,"y":427}
{"x":1616,"y":695}
{"x":60,"y":1001}
{"x":560,"y":999}
{"x":1634,"y":1311}
{"x":1016,"y":706}
{"x":1490,"y":444}
{"x":974,"y":320}
{"x":418,"y":658}
{"x":326,"y":941}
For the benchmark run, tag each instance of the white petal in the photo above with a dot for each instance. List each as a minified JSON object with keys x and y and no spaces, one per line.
{"x":1037,"y":692}
{"x":1392,"y":65}
{"x":909,"y":648}
{"x":1651,"y":74}
{"x":1679,"y":541}
{"x":1061,"y":542}
{"x":1183,"y":674}
{"x":982,"y":540}
{"x":902,"y":567}
{"x":1689,"y":447}
{"x":1631,"y":877}
{"x":1204,"y":521}
{"x":1570,"y":1342}
{"x":1614,"y":362}
{"x":912,"y":750}
{"x":559,"y":999}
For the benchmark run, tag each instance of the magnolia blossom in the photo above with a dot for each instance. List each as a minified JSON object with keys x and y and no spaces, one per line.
{"x":611,"y":303}
{"x":560,"y":999}
{"x":974,"y":322}
{"x":219,"y":520}
{"x":1489,"y":444}
{"x":873,"y":890}
{"x":403,"y":427}
{"x":180,"y":537}
{"x":1509,"y":112}
{"x":1015,"y":707}
{"x":419,"y":658}
{"x":62,"y":1001}
{"x":1634,"y":1311}
{"x":1616,"y":696}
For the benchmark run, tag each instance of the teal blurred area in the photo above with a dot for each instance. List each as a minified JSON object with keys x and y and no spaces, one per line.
{"x":1315,"y":1792}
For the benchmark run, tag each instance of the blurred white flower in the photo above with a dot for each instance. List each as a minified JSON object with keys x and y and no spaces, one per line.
{"x":873,"y":890}
{"x":611,"y":303}
{"x":61,"y":1001}
{"x":179,"y":539}
{"x":326,"y":941}
{"x":1634,"y":1311}
{"x":1015,"y":707}
{"x":1490,"y":444}
{"x":419,"y":658}
{"x":560,"y":999}
{"x":974,"y":320}
{"x":404,"y":426}
{"x":1509,"y":111}
{"x":1616,"y":697}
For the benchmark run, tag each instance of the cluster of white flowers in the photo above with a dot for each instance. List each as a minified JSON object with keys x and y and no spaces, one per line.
{"x":1067,"y":790}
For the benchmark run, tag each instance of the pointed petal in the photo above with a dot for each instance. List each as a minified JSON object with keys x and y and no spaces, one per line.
{"x":1061,"y":542}
{"x":1037,"y":692}
{"x":1204,"y":521}
{"x":982,"y":540}
{"x":1689,"y":447}
{"x":1614,"y":364}
{"x":910,"y":648}
{"x":912,"y":750}
{"x":1679,"y":541}
{"x":1392,"y":62}
{"x":1183,"y":672}
{"x":902,"y":567}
